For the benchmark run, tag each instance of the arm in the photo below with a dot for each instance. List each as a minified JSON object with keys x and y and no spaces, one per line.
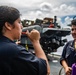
{"x":66,"y":67}
{"x":40,"y":54}
{"x":34,"y":36}
{"x":64,"y":64}
{"x":63,"y":61}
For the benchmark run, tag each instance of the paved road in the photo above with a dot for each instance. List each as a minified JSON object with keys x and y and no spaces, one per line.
{"x":54,"y":65}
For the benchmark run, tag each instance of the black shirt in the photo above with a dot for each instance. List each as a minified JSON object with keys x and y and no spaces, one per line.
{"x":16,"y":60}
{"x":69,"y":53}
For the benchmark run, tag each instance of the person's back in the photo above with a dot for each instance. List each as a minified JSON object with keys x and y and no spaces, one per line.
{"x":13,"y":61}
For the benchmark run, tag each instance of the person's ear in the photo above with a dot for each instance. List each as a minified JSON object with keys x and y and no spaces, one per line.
{"x":8,"y":26}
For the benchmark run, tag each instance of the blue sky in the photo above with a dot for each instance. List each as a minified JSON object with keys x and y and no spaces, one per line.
{"x":63,"y":17}
{"x":65,"y":20}
{"x":32,"y":9}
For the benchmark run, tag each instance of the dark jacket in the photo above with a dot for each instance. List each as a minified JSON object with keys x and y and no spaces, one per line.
{"x":69,"y":54}
{"x":15,"y":60}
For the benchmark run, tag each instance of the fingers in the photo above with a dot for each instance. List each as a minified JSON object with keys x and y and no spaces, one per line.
{"x":70,"y":68}
{"x":27,"y":32}
{"x":34,"y":30}
{"x":68,"y":73}
{"x":33,"y":35}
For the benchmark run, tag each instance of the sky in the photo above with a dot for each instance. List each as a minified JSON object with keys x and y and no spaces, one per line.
{"x":32,"y":9}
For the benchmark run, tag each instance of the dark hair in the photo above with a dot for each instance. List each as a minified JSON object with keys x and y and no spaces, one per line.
{"x":73,"y":22}
{"x":8,"y":14}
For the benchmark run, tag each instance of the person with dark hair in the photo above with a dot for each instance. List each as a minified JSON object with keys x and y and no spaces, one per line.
{"x":15,"y":59}
{"x":68,"y":57}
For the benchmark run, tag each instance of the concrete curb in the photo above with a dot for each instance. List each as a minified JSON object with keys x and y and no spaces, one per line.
{"x":52,"y":55}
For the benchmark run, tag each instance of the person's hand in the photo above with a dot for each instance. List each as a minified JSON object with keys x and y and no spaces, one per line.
{"x":34,"y":35}
{"x":68,"y":70}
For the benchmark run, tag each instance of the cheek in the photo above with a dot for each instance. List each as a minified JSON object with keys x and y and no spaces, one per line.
{"x":74,"y":35}
{"x":18,"y":36}
{"x":18,"y":32}
{"x":20,"y":28}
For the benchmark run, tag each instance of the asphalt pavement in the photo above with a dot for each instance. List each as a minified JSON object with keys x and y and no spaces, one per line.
{"x":54,"y":64}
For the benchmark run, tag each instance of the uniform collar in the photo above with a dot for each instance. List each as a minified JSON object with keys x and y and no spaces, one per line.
{"x":5,"y":39}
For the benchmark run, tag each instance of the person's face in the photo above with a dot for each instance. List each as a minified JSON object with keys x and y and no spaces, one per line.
{"x":73,"y":31}
{"x":17,"y":29}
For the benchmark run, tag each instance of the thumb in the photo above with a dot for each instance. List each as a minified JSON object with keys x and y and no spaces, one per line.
{"x":70,"y":68}
{"x":27,"y":33}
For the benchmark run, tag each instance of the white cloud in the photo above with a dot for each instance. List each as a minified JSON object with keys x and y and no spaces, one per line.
{"x":64,"y":9}
{"x":45,"y":6}
{"x":32,"y":9}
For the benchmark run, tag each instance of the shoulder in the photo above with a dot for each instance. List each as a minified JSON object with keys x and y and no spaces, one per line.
{"x":9,"y":49}
{"x":69,"y":43}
